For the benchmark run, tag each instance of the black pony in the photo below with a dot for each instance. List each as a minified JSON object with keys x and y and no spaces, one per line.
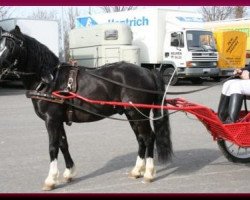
{"x":41,"y":72}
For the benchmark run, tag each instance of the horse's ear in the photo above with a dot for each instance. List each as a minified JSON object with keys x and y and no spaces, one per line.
{"x":17,"y":29}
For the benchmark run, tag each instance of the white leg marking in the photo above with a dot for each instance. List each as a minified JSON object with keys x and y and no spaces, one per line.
{"x":69,"y":173}
{"x":52,"y":178}
{"x":150,"y":170}
{"x":139,"y":168}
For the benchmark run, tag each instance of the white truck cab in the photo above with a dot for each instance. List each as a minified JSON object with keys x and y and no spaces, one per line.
{"x":191,"y":53}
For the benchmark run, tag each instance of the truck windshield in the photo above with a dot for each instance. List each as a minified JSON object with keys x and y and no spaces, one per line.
{"x":200,"y":41}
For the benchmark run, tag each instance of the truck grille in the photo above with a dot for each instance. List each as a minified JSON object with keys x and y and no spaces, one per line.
{"x":209,"y":57}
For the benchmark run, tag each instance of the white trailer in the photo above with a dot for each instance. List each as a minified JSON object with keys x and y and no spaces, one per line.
{"x":168,"y":40}
{"x":45,"y":31}
{"x":103,"y":44}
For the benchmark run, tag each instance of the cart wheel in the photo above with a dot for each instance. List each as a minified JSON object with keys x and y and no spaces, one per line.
{"x":233,"y":152}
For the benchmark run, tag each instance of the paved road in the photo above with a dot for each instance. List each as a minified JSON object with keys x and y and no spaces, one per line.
{"x":105,"y":151}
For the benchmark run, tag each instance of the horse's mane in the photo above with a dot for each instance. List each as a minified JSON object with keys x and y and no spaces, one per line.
{"x":40,"y":55}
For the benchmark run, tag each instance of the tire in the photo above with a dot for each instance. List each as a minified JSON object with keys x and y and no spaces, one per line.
{"x":216,"y":79}
{"x":167,"y":73}
{"x":233,"y":152}
{"x":196,"y":80}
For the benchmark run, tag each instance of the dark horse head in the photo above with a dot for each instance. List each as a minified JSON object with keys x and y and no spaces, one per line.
{"x":15,"y":48}
{"x":36,"y":64}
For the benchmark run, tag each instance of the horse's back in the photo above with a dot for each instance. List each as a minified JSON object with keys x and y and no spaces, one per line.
{"x":109,"y":82}
{"x":128,"y":73}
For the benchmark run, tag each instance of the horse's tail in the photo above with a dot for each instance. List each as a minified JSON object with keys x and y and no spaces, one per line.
{"x":162,"y":125}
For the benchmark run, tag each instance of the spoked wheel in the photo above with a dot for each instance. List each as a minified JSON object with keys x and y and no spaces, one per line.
{"x":233,"y":152}
{"x":167,"y":74}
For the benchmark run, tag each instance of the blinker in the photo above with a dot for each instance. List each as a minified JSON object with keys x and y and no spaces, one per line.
{"x":2,"y":43}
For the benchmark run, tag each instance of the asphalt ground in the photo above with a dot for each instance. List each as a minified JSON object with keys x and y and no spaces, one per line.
{"x":105,"y":151}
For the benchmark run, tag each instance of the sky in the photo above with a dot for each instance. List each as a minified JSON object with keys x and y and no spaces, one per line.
{"x":25,"y":11}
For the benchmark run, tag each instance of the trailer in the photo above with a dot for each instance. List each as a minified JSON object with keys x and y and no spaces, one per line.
{"x":103,"y":44}
{"x":169,"y":40}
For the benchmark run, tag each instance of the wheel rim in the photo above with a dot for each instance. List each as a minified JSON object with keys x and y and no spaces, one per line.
{"x":167,"y":73}
{"x":236,"y":151}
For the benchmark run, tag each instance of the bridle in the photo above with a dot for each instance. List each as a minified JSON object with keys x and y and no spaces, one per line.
{"x":18,"y":46}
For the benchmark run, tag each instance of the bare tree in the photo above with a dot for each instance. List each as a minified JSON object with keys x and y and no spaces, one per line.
{"x":72,"y":13}
{"x":44,"y":15}
{"x":5,"y":12}
{"x":108,"y":9}
{"x":240,"y":11}
{"x":214,"y":13}
{"x":69,"y":23}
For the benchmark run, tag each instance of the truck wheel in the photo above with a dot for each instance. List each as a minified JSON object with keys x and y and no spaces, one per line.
{"x":196,"y":80}
{"x":216,"y":79}
{"x":233,"y":152}
{"x":167,"y":74}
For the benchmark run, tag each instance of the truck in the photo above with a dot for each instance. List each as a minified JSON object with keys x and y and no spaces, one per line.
{"x":241,"y":24}
{"x":103,"y":44}
{"x":45,"y":31}
{"x":169,"y":40}
{"x":231,"y":46}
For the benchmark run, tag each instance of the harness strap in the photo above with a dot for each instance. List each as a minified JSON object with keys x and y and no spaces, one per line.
{"x":156,"y":92}
{"x":71,"y":87}
{"x":33,"y":94}
{"x":72,"y":84}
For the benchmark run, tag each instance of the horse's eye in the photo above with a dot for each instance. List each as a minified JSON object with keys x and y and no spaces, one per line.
{"x":2,"y":43}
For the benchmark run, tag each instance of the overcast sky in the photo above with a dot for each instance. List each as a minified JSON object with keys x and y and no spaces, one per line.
{"x":24,"y":11}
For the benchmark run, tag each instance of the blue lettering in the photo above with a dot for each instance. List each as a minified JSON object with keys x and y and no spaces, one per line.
{"x":189,"y":19}
{"x":88,"y":21}
{"x":139,"y":22}
{"x":132,"y":22}
{"x":145,"y":21}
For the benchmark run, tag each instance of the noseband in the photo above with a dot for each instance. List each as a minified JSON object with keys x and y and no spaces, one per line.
{"x":18,"y":44}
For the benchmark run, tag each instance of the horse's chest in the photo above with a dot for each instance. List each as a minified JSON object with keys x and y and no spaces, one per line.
{"x":44,"y":109}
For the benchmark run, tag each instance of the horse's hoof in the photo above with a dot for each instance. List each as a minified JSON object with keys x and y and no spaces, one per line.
{"x":67,"y":180}
{"x":47,"y":187}
{"x":147,"y":180}
{"x":134,"y":176}
{"x":69,"y":174}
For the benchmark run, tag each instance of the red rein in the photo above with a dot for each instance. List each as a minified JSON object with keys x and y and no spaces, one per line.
{"x":176,"y":104}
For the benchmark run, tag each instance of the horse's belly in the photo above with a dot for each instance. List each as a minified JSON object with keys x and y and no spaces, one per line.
{"x":92,"y":115}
